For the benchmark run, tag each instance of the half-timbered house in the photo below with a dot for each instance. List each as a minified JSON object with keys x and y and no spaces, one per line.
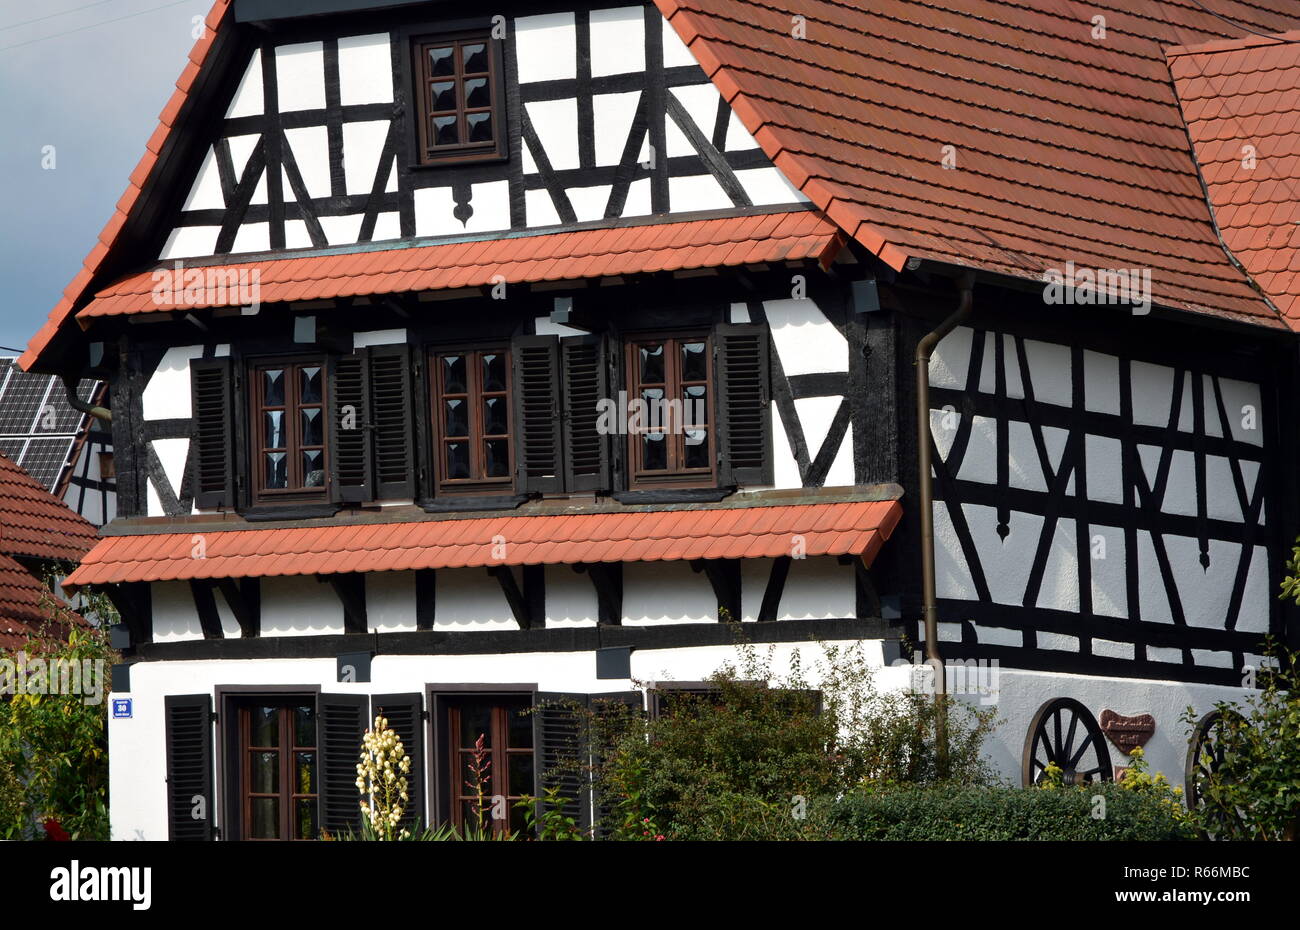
{"x":464,"y":360}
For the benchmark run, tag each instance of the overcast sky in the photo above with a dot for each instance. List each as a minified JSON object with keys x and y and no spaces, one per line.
{"x":94,"y":94}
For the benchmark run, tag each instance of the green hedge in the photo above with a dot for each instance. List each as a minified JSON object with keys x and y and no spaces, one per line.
{"x":1000,"y":814}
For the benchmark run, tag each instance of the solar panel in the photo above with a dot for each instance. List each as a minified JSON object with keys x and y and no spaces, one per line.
{"x":38,"y":427}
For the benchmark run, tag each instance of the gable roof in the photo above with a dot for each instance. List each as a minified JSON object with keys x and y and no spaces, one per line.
{"x":1246,"y":92}
{"x":1068,"y":148}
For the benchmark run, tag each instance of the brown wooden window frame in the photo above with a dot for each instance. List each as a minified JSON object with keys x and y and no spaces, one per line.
{"x":499,"y":754}
{"x":288,"y":750}
{"x":676,"y":474}
{"x":293,"y":448}
{"x":477,"y":481}
{"x":460,"y":152}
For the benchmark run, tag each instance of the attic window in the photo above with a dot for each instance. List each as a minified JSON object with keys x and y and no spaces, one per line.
{"x":459,"y":98}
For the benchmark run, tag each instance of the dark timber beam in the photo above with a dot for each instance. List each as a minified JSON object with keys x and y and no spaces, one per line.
{"x":245,"y":601}
{"x":607,"y":578}
{"x":134,"y":605}
{"x":775,"y":588}
{"x":350,"y":588}
{"x":724,"y":576}
{"x":206,"y":607}
{"x":868,"y":598}
{"x":519,"y":604}
{"x":426,"y":593}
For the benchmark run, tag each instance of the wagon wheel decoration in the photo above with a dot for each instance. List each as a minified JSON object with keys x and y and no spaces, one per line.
{"x":1205,"y":754}
{"x":1065,"y":733}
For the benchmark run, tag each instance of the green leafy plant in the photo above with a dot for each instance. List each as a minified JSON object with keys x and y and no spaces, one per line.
{"x":546,"y":818}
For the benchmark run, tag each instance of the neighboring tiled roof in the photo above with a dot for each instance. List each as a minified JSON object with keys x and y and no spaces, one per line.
{"x":588,"y":253}
{"x":20,"y":604}
{"x":34,"y":524}
{"x":833,"y":528}
{"x":1240,"y":93}
{"x":76,"y":290}
{"x":1067,"y":148}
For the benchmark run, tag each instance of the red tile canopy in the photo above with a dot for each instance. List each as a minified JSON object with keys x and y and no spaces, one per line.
{"x":836,"y":528}
{"x":567,"y":256}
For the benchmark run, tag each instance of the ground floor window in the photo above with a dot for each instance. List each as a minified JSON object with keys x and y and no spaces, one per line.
{"x":278,"y":769}
{"x":490,"y":749}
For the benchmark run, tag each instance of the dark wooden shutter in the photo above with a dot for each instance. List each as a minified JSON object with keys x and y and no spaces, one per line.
{"x":405,"y":713}
{"x":539,"y":461}
{"x":744,"y":420}
{"x":559,"y":751}
{"x":349,"y":451}
{"x":189,"y":766}
{"x":343,"y":721}
{"x":212,"y":434}
{"x":606,"y":705}
{"x":586,"y":382}
{"x":392,"y":433}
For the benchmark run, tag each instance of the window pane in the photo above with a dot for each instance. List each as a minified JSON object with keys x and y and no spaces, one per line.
{"x":453,"y":374}
{"x":652,"y":363}
{"x":273,"y":429}
{"x":313,"y":468}
{"x":444,"y":130}
{"x":304,"y":773}
{"x":654,"y":451}
{"x":457,"y":459}
{"x":697,"y":448}
{"x":694,"y":362}
{"x":496,"y":458}
{"x":443,"y":96}
{"x":521,"y":773}
{"x":264,"y":729}
{"x":273,"y":387}
{"x":304,"y":725}
{"x":309,"y":382}
{"x":495,"y":416}
{"x":494,"y":371}
{"x":475,"y":719}
{"x":305,"y":821}
{"x":695,"y":412}
{"x":456,"y":418}
{"x":475,"y":58}
{"x":442,"y":61}
{"x":277,"y":475}
{"x":479,"y":126}
{"x":521,"y":729}
{"x":477,"y":93}
{"x":266,"y":819}
{"x":313,"y":426}
{"x":265,"y":772}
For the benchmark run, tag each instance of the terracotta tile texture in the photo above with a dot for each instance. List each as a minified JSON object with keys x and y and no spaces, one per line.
{"x":834,"y":528}
{"x":588,"y":253}
{"x":34,"y":524}
{"x":1241,"y":100}
{"x":1067,"y":147}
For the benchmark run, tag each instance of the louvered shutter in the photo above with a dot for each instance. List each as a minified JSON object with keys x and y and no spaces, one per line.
{"x":744,"y":421}
{"x":350,"y":418}
{"x":188,"y":722}
{"x":212,"y":433}
{"x":607,"y":706}
{"x":586,"y":383}
{"x":392,"y":433}
{"x":539,"y":459}
{"x":405,"y":718}
{"x":343,"y":721}
{"x":560,"y":753}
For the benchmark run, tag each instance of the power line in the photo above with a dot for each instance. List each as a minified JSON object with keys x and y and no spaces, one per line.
{"x":41,"y":19}
{"x":105,"y":22}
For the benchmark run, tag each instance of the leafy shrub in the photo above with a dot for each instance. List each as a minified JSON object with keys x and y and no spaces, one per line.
{"x":948,"y":812}
{"x":745,"y":761}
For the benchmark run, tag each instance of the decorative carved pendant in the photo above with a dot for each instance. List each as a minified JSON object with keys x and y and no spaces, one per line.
{"x":1127,"y":733}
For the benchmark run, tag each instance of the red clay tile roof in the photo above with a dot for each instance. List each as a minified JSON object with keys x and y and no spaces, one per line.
{"x":20,"y":604}
{"x":1067,"y":148}
{"x":589,"y":253}
{"x":37,"y":525}
{"x":1240,"y":93}
{"x":835,"y":528}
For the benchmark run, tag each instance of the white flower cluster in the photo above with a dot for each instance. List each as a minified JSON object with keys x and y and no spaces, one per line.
{"x":381,"y":779}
